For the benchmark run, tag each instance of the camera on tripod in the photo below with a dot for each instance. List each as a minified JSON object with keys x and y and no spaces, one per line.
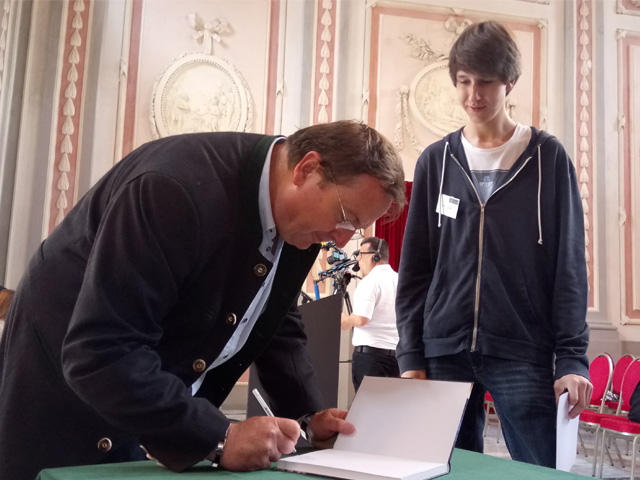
{"x":340,"y":263}
{"x":335,"y":255}
{"x":339,"y":272}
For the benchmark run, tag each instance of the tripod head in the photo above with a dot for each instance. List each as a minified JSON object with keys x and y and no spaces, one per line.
{"x":339,"y":272}
{"x":339,"y":261}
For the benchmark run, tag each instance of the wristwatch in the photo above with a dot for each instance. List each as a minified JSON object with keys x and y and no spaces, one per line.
{"x":304,"y":422}
{"x":216,"y":455}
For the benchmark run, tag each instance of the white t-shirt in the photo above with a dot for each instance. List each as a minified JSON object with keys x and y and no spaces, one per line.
{"x":490,"y":165}
{"x":375,"y":298}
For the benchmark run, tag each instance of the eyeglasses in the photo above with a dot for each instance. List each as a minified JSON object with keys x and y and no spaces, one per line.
{"x":344,"y":224}
{"x":358,"y":252}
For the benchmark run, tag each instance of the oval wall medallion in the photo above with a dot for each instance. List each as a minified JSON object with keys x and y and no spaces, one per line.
{"x":200,"y":93}
{"x":433,"y":99}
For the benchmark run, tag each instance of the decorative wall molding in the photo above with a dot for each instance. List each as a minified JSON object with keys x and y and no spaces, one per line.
{"x":628,"y":7}
{"x":324,"y":61}
{"x":130,"y":71}
{"x":4,"y":25}
{"x":69,"y":107}
{"x":275,"y":64}
{"x":629,"y":134}
{"x":585,"y":123}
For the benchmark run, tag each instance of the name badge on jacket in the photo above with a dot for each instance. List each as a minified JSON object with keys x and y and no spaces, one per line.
{"x":448,"y":206}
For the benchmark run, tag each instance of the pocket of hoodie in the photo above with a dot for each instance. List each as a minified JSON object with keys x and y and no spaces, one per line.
{"x":448,"y":309}
{"x":506,"y":309}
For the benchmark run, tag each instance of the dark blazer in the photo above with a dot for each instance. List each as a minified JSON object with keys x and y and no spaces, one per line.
{"x":132,"y":296}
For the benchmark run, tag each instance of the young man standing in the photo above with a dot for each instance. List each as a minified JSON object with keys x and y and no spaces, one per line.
{"x":493,"y":283}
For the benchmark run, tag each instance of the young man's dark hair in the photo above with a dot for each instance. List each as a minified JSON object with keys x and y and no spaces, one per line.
{"x":486,"y":49}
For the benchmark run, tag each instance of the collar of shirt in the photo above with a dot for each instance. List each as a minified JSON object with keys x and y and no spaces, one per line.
{"x":267,"y":247}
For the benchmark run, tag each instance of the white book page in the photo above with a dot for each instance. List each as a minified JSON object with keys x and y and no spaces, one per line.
{"x":368,"y":464}
{"x":413,"y":419}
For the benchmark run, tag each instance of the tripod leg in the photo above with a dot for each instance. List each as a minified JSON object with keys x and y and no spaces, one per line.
{"x":347,"y":302}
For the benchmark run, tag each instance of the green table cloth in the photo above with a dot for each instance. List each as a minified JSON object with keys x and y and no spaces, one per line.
{"x":464,"y":466}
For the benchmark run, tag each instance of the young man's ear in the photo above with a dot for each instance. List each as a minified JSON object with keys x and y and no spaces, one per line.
{"x":510,"y":86}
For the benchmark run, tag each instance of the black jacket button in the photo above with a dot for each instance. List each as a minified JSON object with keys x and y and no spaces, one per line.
{"x":230,"y":319}
{"x":104,"y":444}
{"x":199,"y":365}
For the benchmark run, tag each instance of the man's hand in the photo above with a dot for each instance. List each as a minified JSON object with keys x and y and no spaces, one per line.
{"x":325,"y":426}
{"x":256,"y":442}
{"x":579,"y":389}
{"x":415,"y":374}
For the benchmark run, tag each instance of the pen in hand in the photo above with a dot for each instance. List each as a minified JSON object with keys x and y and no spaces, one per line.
{"x":268,"y":411}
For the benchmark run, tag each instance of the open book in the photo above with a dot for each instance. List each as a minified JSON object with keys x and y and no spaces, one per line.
{"x":405,"y":430}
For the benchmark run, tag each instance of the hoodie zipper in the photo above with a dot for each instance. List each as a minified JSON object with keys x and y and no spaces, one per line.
{"x":476,"y":301}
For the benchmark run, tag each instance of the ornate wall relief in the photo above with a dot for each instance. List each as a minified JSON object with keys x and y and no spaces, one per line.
{"x":433,"y":101}
{"x":201,"y":92}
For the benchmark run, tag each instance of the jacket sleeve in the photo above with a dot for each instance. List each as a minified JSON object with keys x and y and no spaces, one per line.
{"x":571,"y":289}
{"x":147,"y":244}
{"x":285,"y":370}
{"x":414,"y":275}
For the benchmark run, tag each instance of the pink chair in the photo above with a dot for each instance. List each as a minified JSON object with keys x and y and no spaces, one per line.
{"x":490,"y":412}
{"x":601,"y":373}
{"x":619,"y":426}
{"x":616,"y":382}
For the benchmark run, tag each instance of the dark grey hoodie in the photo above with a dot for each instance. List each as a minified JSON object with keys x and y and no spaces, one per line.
{"x":506,"y":278}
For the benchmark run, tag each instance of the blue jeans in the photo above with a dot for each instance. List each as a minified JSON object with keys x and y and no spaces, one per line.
{"x":524,"y":399}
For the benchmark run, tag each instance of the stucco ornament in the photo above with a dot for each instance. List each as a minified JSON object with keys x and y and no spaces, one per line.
{"x":201,"y":92}
{"x":433,"y":100}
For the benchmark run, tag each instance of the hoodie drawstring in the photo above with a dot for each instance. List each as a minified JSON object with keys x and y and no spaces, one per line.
{"x":539,"y":195}
{"x":444,"y":157}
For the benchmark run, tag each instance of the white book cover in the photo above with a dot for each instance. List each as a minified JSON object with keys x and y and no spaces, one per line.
{"x":405,"y":430}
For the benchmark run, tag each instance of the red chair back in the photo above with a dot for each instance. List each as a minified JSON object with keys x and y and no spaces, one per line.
{"x":618,"y":372}
{"x":629,"y":382}
{"x":600,"y":372}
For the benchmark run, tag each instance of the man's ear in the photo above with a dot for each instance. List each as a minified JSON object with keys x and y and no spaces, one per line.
{"x":305,"y":167}
{"x":510,"y":86}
